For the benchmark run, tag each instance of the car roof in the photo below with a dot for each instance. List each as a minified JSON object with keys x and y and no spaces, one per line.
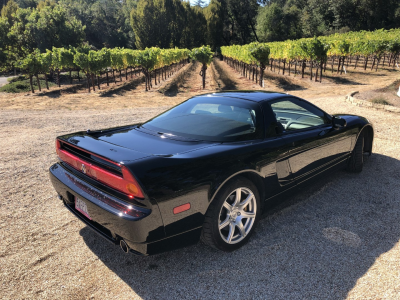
{"x":256,"y":96}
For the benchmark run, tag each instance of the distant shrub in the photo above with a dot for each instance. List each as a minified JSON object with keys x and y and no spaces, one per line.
{"x":20,"y":84}
{"x":74,"y":74}
{"x":380,"y":100}
{"x":15,"y":79}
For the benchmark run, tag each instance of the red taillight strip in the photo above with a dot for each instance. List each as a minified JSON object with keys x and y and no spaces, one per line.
{"x":122,"y":184}
{"x":58,"y":146}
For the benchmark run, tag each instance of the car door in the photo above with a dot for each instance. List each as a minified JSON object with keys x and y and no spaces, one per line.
{"x":312,"y":142}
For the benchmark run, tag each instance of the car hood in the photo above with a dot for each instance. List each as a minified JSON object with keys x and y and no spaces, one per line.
{"x":150,"y":142}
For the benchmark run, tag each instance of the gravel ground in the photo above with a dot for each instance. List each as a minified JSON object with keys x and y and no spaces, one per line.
{"x":336,"y":239}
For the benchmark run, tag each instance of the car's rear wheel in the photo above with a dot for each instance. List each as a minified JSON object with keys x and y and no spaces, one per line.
{"x":356,"y":161}
{"x":232,"y":216}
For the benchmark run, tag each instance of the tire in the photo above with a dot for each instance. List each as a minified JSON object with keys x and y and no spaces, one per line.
{"x":239,"y":217}
{"x":356,"y":161}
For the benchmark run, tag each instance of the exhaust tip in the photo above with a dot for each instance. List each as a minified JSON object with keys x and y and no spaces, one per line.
{"x":124,"y":246}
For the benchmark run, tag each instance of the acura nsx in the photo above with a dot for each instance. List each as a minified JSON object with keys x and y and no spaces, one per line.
{"x":205,"y":169}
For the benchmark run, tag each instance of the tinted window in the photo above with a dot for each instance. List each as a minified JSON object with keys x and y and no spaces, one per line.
{"x":296,"y":114}
{"x":211,"y":118}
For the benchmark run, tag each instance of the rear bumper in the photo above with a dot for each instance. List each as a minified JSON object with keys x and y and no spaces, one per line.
{"x":143,"y":227}
{"x":144,"y":233}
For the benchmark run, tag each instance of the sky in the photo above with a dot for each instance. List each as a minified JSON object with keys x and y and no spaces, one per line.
{"x":192,"y":1}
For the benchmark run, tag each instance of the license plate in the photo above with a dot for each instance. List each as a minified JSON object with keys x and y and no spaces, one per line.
{"x":80,"y":206}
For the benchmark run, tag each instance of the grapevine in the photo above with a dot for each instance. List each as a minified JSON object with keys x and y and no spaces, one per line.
{"x":376,"y":47}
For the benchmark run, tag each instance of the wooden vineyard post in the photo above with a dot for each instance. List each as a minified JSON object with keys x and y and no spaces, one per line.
{"x":30,"y":81}
{"x":320,"y":74}
{"x":311,"y":67}
{"x":203,"y":74}
{"x":38,"y":82}
{"x":262,"y":68}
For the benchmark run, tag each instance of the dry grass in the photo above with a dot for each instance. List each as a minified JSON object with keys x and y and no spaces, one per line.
{"x":336,"y":239}
{"x":380,"y":100}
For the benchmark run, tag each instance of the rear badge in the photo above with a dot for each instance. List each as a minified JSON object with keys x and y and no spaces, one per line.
{"x":83,"y":168}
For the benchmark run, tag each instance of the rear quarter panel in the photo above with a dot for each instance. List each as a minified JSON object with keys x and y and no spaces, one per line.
{"x":195,"y":177}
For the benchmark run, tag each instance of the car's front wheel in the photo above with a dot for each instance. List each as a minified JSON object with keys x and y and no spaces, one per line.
{"x":356,"y":161}
{"x":232,"y":216}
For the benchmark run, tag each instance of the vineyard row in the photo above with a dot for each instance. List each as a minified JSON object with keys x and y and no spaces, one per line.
{"x":152,"y":62}
{"x":363,"y":48}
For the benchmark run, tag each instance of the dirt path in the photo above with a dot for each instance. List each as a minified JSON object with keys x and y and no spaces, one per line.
{"x":332,"y":84}
{"x":3,"y":80}
{"x":336,"y":239}
{"x":132,"y":95}
{"x":127,"y":95}
{"x":192,"y":83}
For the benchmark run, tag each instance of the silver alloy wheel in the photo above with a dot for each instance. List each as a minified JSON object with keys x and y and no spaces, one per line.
{"x":237,"y":215}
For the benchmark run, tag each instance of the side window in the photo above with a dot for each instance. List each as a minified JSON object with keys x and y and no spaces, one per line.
{"x":294,"y":114}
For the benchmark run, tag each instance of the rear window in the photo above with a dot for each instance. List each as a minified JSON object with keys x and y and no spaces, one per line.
{"x":211,"y":118}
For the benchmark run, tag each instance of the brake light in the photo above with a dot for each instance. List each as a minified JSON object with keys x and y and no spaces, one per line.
{"x":58,"y":146}
{"x":126,"y":184}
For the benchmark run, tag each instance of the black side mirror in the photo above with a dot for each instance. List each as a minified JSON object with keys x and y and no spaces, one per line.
{"x":338,"y":123}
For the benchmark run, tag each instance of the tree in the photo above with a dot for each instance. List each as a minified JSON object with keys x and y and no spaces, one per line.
{"x":204,"y":55}
{"x":98,"y":62}
{"x":107,"y":22}
{"x":194,"y":32}
{"x":92,"y":63}
{"x":214,"y":16}
{"x":27,"y":3}
{"x":148,"y":59}
{"x":117,"y":62}
{"x":8,"y":10}
{"x":61,"y":58}
{"x":150,"y":24}
{"x":81,"y":59}
{"x":275,"y":23}
{"x":44,"y":3}
{"x":316,"y":51}
{"x":45,"y":28}
{"x":176,"y":21}
{"x":46,"y":60}
{"x":168,"y":23}
{"x":239,"y":21}
{"x":316,"y":18}
{"x":9,"y":52}
{"x":260,"y":52}
{"x":127,"y":7}
{"x":3,"y":43}
{"x":31,"y":64}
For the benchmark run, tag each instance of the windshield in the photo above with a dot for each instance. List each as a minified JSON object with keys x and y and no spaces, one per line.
{"x":212,"y":119}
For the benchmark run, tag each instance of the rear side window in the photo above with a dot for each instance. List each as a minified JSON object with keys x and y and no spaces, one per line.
{"x":212,"y":118}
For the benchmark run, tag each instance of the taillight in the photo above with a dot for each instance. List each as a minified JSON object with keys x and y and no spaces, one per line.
{"x":126,"y":184}
{"x":131,"y":186}
{"x":58,"y":146}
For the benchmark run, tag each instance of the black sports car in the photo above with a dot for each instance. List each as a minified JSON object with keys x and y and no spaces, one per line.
{"x":203,"y":169}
